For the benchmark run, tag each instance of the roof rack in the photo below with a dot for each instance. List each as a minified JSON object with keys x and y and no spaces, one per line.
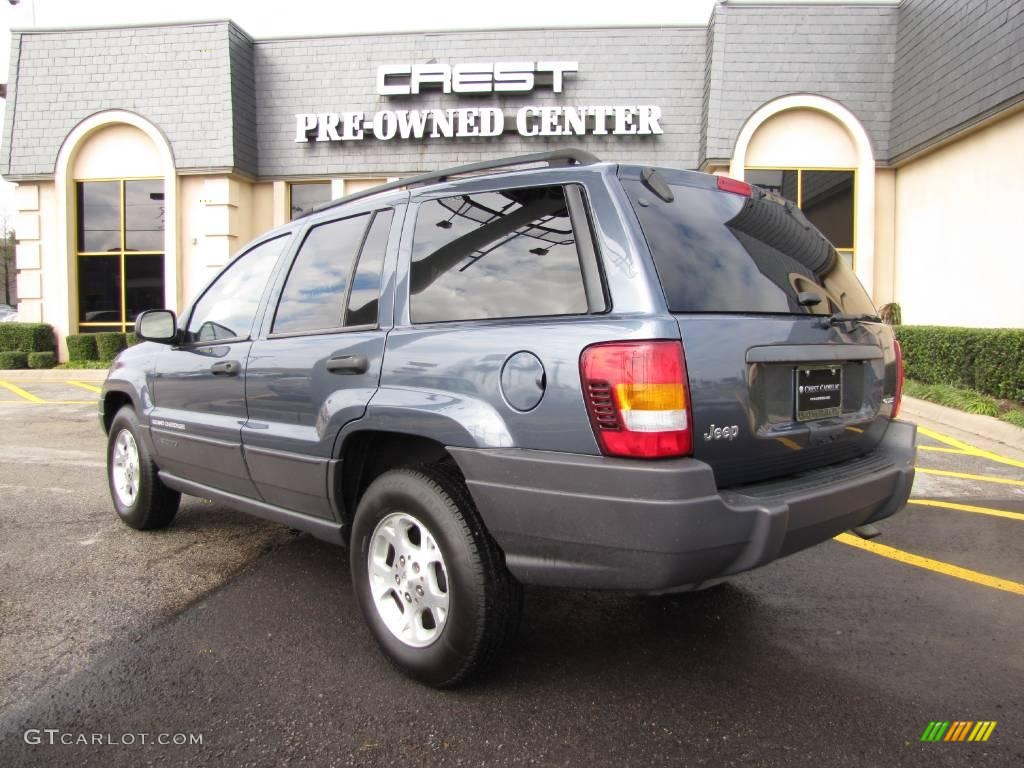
{"x":568,"y":156}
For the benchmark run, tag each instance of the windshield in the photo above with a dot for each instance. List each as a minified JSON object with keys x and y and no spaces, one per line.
{"x":721,"y":252}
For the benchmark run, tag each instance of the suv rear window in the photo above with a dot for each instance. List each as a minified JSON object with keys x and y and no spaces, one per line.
{"x":495,"y":254}
{"x":721,"y":252}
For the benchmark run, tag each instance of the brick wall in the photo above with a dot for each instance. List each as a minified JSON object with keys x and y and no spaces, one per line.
{"x":616,"y":67}
{"x":956,"y":61}
{"x":177,"y":77}
{"x":845,"y":53}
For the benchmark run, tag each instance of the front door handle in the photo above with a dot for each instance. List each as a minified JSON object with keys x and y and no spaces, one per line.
{"x":226,"y":368}
{"x":348,"y":364}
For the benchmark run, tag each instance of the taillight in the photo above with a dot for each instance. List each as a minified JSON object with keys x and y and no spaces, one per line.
{"x":733,"y":185}
{"x":637,"y":398}
{"x":897,"y":399}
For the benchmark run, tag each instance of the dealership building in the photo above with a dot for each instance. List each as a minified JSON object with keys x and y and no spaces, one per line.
{"x":145,"y":157}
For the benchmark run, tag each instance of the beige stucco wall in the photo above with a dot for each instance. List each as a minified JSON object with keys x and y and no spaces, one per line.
{"x":959,"y":259}
{"x":885,"y":236}
{"x":801,"y":138}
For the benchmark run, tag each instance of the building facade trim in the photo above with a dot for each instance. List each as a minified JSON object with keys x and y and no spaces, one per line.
{"x":65,"y":190}
{"x":864,"y":190}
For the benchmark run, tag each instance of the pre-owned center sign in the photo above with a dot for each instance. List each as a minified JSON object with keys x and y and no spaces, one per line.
{"x":474,"y":79}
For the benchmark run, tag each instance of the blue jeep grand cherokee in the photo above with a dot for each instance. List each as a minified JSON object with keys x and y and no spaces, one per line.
{"x":581,"y":374}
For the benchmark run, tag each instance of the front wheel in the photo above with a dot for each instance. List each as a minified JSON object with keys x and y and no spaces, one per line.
{"x":430,"y":581}
{"x":141,"y":499}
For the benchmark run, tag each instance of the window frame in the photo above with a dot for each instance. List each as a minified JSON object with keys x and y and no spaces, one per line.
{"x":124,"y":325}
{"x":341,"y":327}
{"x":852,"y":251}
{"x":290,"y":184}
{"x":261,"y":304}
{"x":588,"y":252}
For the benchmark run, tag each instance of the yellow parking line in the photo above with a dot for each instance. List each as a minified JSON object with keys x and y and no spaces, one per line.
{"x":21,"y":392}
{"x":942,"y":450}
{"x":47,"y":402}
{"x":937,"y":566}
{"x":966,"y":476}
{"x":83,"y":385}
{"x":952,"y":442}
{"x":968,"y":508}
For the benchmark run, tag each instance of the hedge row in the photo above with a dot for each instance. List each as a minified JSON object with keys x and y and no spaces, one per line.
{"x":13,"y":359}
{"x":26,"y":337}
{"x":84,"y":347}
{"x":989,"y":360}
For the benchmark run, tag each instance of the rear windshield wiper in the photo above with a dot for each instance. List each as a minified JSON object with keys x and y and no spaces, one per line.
{"x":843,"y":317}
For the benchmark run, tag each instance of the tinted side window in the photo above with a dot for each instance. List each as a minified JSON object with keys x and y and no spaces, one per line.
{"x":314,"y":293}
{"x":495,"y":254}
{"x":228,"y":307}
{"x":362,"y":300}
{"x":718,"y":252}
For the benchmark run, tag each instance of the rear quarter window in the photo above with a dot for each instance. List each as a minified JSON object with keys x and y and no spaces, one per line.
{"x":721,"y":252}
{"x":495,"y":255}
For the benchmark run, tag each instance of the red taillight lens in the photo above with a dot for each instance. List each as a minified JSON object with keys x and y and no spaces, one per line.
{"x":637,"y":398}
{"x":732,"y":185}
{"x":897,"y":399}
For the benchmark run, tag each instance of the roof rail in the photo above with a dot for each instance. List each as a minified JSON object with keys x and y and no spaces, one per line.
{"x":568,"y":156}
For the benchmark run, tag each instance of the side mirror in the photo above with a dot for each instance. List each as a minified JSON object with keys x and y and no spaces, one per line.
{"x":159,"y":325}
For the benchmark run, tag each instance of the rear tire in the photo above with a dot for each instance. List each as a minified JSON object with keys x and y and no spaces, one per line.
{"x":430,"y":582}
{"x":141,"y":499}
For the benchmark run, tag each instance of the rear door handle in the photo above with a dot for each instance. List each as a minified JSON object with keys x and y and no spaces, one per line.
{"x":226,"y":368}
{"x":348,"y":364}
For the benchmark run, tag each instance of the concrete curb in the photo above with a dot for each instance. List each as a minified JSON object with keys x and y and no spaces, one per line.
{"x":55,"y":375}
{"x":983,"y":426}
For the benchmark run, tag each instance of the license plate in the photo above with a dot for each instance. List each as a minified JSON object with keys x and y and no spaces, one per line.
{"x":819,"y":392}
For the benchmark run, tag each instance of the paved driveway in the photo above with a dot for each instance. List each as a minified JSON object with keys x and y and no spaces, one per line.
{"x":246,"y":636}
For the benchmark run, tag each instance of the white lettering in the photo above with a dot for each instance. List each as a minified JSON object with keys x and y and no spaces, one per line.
{"x":468,"y":123}
{"x":513,"y":77}
{"x":352,"y":125}
{"x":327,"y":127}
{"x":558,"y":70}
{"x":650,"y":116}
{"x":600,"y":119}
{"x":549,"y":121}
{"x":623,"y":120}
{"x":472,"y":78}
{"x":492,"y":121}
{"x":304,"y":123}
{"x":443,"y":123}
{"x":437,"y":74}
{"x":386,"y":71}
{"x":522,"y":126}
{"x":411,"y":124}
{"x":575,"y":121}
{"x":32,"y":736}
{"x":384,"y":125}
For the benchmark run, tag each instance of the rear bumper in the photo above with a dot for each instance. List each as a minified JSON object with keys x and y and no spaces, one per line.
{"x":595,"y":522}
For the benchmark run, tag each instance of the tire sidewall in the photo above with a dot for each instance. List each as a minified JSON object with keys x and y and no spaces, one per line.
{"x":133,"y":514}
{"x":406,"y":491}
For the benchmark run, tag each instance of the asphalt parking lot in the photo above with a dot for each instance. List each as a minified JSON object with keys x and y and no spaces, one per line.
{"x":248,"y":635}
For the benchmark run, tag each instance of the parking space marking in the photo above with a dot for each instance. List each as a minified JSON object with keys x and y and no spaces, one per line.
{"x":952,"y":442}
{"x":969,"y":508}
{"x":37,"y":401}
{"x":83,"y":385}
{"x":940,"y":449}
{"x":966,"y":476}
{"x":938,"y":566}
{"x":21,"y":392}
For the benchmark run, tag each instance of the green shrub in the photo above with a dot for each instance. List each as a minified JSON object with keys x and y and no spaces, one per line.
{"x":13,"y":359}
{"x":42,"y":359}
{"x":78,"y":365}
{"x":1014,"y":417}
{"x":82,"y":346}
{"x":109,"y":344}
{"x":130,"y":339}
{"x":989,"y":360}
{"x":26,"y":337}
